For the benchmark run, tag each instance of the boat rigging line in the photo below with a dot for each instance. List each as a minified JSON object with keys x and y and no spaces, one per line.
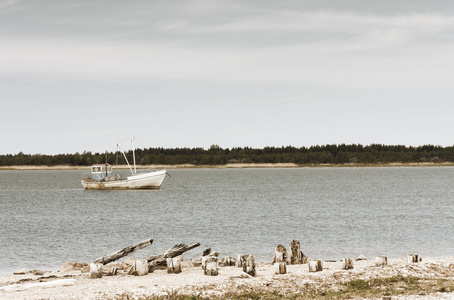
{"x":176,"y":181}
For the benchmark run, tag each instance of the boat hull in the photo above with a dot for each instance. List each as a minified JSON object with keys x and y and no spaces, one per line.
{"x":151,"y":180}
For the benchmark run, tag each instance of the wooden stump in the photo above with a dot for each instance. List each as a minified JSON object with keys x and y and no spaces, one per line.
{"x":96,"y":270}
{"x":141,"y":267}
{"x":315,"y":266}
{"x":211,"y":268}
{"x":228,"y":261}
{"x":278,"y":257}
{"x":347,"y":263}
{"x":174,"y":265}
{"x":413,"y":258}
{"x":297,"y":257}
{"x":280,"y":268}
{"x":241,"y":260}
{"x":280,"y":254}
{"x":249,"y":265}
{"x":381,"y":261}
{"x":206,"y":252}
{"x":208,"y":259}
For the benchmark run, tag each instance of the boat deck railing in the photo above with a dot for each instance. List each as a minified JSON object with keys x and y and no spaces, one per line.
{"x":100,"y":177}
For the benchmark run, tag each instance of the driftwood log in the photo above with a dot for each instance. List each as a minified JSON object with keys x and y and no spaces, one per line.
{"x":160,"y":259}
{"x":123,"y":252}
{"x":112,"y":271}
{"x":46,"y":284}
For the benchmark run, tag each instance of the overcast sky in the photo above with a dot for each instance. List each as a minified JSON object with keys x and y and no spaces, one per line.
{"x":81,"y":75}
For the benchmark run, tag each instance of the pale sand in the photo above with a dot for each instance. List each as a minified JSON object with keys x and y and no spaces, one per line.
{"x":230,"y":279}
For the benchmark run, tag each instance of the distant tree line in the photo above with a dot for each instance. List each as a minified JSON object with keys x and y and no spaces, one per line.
{"x":215,"y":155}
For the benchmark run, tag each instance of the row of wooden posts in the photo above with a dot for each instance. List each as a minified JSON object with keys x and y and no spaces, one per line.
{"x":347,"y":263}
{"x":172,"y":259}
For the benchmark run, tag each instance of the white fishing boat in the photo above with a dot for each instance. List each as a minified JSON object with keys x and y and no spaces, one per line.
{"x":103,"y":178}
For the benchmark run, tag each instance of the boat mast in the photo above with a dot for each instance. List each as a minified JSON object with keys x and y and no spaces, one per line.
{"x":116,"y":160}
{"x":134,"y":153}
{"x":106,"y":163}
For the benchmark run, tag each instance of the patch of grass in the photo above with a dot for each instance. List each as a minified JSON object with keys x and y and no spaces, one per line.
{"x":358,"y":284}
{"x":357,"y":288}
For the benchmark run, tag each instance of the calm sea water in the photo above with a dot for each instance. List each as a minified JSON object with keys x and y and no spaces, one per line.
{"x":46,"y":218}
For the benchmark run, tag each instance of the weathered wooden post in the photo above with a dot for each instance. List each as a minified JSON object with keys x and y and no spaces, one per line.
{"x":412,"y":258}
{"x":249,"y":265}
{"x":140,"y":267}
{"x":280,"y":268}
{"x":210,"y":265}
{"x":297,"y":257}
{"x":96,"y":270}
{"x":315,"y":266}
{"x":347,"y":263}
{"x":381,"y":261}
{"x":280,"y":254}
{"x":174,"y":265}
{"x":211,"y":269}
{"x":241,"y":260}
{"x":207,"y":259}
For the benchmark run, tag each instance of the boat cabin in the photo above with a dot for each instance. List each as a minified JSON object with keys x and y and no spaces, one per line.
{"x":100,"y":173}
{"x":101,"y":169}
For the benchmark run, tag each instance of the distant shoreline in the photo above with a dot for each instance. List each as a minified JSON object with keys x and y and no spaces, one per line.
{"x":235,"y":166}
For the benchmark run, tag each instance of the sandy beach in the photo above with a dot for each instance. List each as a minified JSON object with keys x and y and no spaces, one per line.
{"x":432,"y":278}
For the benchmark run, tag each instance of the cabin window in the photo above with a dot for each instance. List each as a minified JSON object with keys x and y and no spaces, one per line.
{"x":96,"y":169}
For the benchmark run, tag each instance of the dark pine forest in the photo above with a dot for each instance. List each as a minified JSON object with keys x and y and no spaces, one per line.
{"x":215,"y":155}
